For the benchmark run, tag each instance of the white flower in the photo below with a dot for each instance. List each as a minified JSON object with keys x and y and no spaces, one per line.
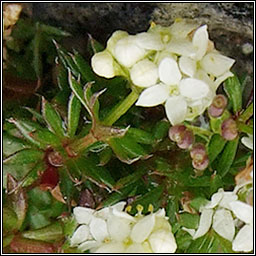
{"x":219,"y":213}
{"x":111,"y":230}
{"x":248,"y":141}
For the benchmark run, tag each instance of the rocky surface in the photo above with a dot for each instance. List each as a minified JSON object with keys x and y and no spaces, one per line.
{"x":230,"y":24}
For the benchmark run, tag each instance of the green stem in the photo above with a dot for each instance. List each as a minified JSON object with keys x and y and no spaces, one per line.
{"x":205,"y":134}
{"x":246,"y":114}
{"x":121,"y":108}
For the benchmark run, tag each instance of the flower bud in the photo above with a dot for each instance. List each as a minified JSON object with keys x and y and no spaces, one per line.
{"x":103,"y":64}
{"x":198,"y":152}
{"x":144,"y":73}
{"x":182,"y":136}
{"x":201,"y":164}
{"x":55,"y":159}
{"x":218,"y":106}
{"x":229,"y":129}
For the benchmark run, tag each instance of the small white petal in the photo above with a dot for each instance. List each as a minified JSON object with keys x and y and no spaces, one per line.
{"x":204,"y":223}
{"x":182,"y":47}
{"x":187,"y":66}
{"x":176,"y":109}
{"x":227,"y":198}
{"x":181,"y":28}
{"x":162,"y":241}
{"x":243,"y":241}
{"x":144,"y":73}
{"x":83,"y":215}
{"x":200,"y":41}
{"x":153,"y":96}
{"x":119,"y":206}
{"x":135,"y":248}
{"x":88,"y":245}
{"x":248,"y":141}
{"x":149,"y":41}
{"x":123,"y":215}
{"x":222,"y":78}
{"x":103,"y":64}
{"x":193,"y":88}
{"x":215,"y":199}
{"x":189,"y":230}
{"x":98,"y":229}
{"x":223,"y":224}
{"x":143,"y":228}
{"x":118,"y":228}
{"x":216,"y":64}
{"x":102,"y":213}
{"x":160,"y":213}
{"x":116,"y":36}
{"x":127,"y":52}
{"x":112,"y":247}
{"x":80,"y":235}
{"x":169,"y":72}
{"x":162,"y":223}
{"x":242,"y":211}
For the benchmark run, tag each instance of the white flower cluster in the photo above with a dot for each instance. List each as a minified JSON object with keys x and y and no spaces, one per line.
{"x":224,"y":213}
{"x":178,"y":66}
{"x":112,"y":230}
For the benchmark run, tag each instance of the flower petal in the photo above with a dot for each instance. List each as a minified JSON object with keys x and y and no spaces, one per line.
{"x":143,"y":228}
{"x":176,"y":109}
{"x":103,"y":64}
{"x":215,"y":199}
{"x":200,"y":41}
{"x":112,"y":247}
{"x":162,"y":241}
{"x":181,"y":28}
{"x":222,"y":78}
{"x":83,"y":215}
{"x":127,"y":52}
{"x":144,"y":73}
{"x":193,"y":88}
{"x":223,"y":224}
{"x":248,"y":141}
{"x":135,"y":248}
{"x":80,"y":235}
{"x":243,"y":241}
{"x":182,"y":47}
{"x":227,"y":198}
{"x":118,"y":228}
{"x":98,"y":229}
{"x":123,"y":215}
{"x":169,"y":72}
{"x":116,"y":36}
{"x":149,"y":41}
{"x":204,"y":223}
{"x":119,"y":206}
{"x":187,"y":66}
{"x":153,"y":96}
{"x":216,"y":64}
{"x":88,"y":245}
{"x":242,"y":211}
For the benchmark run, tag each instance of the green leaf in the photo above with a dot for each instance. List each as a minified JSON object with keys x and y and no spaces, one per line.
{"x":84,"y":68}
{"x":233,"y":89}
{"x":37,"y":61}
{"x":216,"y":123}
{"x":172,"y":209}
{"x":183,"y":240}
{"x":216,"y":183}
{"x":105,"y":156}
{"x":51,"y":233}
{"x":246,"y":128}
{"x":227,"y":157}
{"x":246,"y":114}
{"x":25,"y":156}
{"x":7,"y":240}
{"x":70,"y":225}
{"x":189,"y":220}
{"x":62,"y":76}
{"x":18,"y":200}
{"x":215,"y":146}
{"x":9,"y":220}
{"x":161,"y":130}
{"x":95,"y":45}
{"x":152,"y":197}
{"x":74,"y":108}
{"x":53,"y":31}
{"x":197,"y":202}
{"x":126,"y":181}
{"x":141,"y":136}
{"x":40,"y":199}
{"x":12,"y":144}
{"x":52,"y":118}
{"x":35,"y":114}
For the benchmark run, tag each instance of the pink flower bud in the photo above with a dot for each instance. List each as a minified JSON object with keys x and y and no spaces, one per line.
{"x":175,"y":132}
{"x":201,"y":164}
{"x":229,"y":129}
{"x":187,"y":140}
{"x":218,"y":106}
{"x":198,"y":152}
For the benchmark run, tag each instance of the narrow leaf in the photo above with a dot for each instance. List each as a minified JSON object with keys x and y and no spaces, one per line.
{"x":38,"y":66}
{"x":189,"y":220}
{"x":141,"y":136}
{"x":161,"y":130}
{"x":215,"y":146}
{"x":52,"y":118}
{"x":74,"y":108}
{"x":227,"y":157}
{"x":232,"y":87}
{"x":53,"y":31}
{"x":246,"y":114}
